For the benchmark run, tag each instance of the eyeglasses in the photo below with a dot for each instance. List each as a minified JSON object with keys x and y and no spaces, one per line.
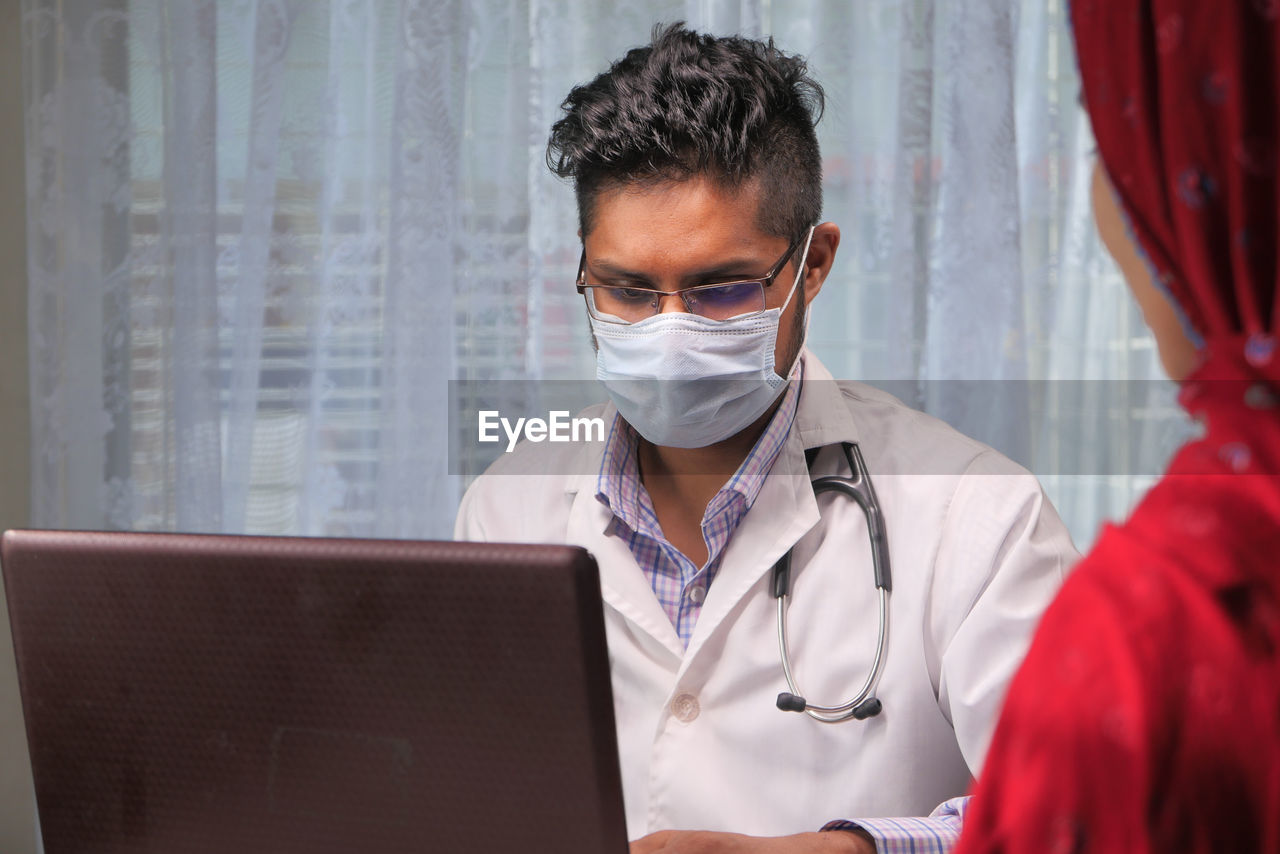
{"x":619,"y":304}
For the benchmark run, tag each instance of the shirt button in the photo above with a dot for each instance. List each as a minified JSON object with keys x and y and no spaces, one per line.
{"x":697,"y":594}
{"x":685,"y":708}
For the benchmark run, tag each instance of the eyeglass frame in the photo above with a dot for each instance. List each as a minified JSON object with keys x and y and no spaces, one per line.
{"x":765,"y":282}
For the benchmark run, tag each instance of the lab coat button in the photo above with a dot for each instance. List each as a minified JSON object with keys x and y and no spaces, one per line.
{"x":685,"y":708}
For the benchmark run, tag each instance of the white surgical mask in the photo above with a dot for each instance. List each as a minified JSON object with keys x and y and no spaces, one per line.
{"x":685,"y":381}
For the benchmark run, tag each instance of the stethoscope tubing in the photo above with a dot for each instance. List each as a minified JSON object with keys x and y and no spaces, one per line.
{"x":857,"y":487}
{"x":845,"y":711}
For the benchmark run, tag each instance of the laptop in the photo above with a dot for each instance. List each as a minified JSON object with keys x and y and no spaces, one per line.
{"x":200,"y":693}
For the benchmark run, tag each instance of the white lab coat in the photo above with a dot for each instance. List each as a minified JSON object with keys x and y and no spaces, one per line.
{"x":976,"y":549}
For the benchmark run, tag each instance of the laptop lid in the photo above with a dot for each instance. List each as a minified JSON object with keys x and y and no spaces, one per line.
{"x":242,"y":694}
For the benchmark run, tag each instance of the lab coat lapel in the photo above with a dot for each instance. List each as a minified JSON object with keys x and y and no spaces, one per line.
{"x":622,"y":583}
{"x":785,"y":510}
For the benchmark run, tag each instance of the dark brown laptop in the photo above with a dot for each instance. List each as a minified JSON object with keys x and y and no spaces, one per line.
{"x":189,"y":693}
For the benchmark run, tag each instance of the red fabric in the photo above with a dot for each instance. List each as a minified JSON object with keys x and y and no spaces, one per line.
{"x":1183,"y":96}
{"x":1146,"y":717}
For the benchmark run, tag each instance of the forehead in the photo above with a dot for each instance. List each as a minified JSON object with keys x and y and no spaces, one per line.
{"x":695,"y":217}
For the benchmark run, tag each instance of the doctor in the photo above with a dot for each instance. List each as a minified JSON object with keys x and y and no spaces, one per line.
{"x":698,"y":181}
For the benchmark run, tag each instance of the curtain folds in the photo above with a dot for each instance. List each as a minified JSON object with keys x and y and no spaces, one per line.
{"x":266,"y":234}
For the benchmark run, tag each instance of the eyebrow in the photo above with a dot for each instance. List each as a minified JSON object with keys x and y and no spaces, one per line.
{"x":738,"y":269}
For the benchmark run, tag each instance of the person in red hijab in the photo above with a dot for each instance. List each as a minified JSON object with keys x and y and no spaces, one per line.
{"x":1146,"y":717}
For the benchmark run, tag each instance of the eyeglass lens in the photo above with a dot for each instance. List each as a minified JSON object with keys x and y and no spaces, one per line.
{"x":716,"y":302}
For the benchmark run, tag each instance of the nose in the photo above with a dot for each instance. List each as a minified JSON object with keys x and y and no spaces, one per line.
{"x":671,"y":303}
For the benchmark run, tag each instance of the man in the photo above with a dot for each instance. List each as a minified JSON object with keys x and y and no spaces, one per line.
{"x":698,"y":181}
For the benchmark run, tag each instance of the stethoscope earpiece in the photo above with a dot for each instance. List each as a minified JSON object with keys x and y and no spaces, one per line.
{"x":789,"y":702}
{"x":868,"y":708}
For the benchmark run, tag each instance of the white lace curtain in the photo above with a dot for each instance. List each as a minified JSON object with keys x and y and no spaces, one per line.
{"x":265,"y":234}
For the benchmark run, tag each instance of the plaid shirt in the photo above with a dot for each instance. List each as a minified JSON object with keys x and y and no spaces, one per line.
{"x":936,"y":834}
{"x":680,"y":586}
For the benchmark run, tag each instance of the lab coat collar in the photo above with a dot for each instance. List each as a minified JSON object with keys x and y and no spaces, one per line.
{"x":823,"y":417}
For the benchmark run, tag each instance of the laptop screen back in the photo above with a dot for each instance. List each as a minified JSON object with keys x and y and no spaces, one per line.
{"x":242,"y":694}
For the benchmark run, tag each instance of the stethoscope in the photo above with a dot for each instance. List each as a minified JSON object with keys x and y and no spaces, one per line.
{"x":858,"y":487}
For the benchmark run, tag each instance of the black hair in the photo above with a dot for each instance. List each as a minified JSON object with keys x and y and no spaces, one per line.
{"x":689,"y":104}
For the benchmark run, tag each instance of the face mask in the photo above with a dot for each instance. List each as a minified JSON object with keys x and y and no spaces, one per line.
{"x":685,"y":381}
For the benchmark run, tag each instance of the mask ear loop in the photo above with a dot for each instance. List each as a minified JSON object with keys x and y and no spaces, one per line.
{"x":804,"y":256}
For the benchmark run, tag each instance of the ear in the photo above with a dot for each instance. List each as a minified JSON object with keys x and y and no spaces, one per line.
{"x":822,"y":254}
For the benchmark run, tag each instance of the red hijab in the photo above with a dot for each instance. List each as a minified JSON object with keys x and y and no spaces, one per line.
{"x":1146,"y":717}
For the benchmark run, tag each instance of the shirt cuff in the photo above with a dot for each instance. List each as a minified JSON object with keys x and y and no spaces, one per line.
{"x":936,"y":834}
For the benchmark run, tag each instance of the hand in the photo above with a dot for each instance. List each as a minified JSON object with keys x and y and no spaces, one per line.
{"x":708,"y":842}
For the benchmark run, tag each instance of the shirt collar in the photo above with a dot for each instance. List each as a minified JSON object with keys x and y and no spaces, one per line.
{"x":618,"y":485}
